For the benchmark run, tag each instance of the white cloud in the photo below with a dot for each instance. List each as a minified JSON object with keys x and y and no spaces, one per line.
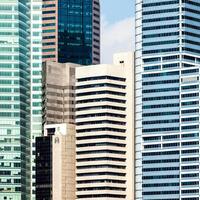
{"x":117,"y":37}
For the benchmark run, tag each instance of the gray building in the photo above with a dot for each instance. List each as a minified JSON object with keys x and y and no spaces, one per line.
{"x":58,"y":92}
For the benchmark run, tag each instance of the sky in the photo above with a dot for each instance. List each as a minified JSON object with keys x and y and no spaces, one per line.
{"x":117,"y":27}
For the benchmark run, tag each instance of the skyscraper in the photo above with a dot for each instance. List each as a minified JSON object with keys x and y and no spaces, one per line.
{"x":14,"y":100}
{"x":35,"y":81}
{"x":167,"y":99}
{"x":58,"y":93}
{"x":55,"y":151}
{"x":105,"y":130}
{"x":71,"y":31}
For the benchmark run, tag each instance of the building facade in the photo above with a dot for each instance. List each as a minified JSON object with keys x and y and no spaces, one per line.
{"x":58,"y":93}
{"x":105,"y":130}
{"x":14,"y":100}
{"x":167,"y":99}
{"x":55,"y":163}
{"x":71,"y":31}
{"x":35,"y":81}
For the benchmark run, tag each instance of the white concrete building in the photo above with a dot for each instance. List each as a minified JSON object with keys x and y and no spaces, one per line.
{"x":105,"y":130}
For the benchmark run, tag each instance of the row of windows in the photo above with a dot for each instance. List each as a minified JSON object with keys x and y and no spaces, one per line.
{"x":190,"y":111}
{"x":190,"y":119}
{"x":160,"y":74}
{"x":160,"y":177}
{"x":161,"y":192}
{"x":160,"y":129}
{"x":101,"y":100}
{"x":160,"y":169}
{"x":160,"y":114}
{"x":161,"y":51}
{"x":191,"y":2}
{"x":190,"y":167}
{"x":161,"y":121}
{"x":190,"y":87}
{"x":165,"y":58}
{"x":163,"y":153}
{"x":100,"y":92}
{"x":101,"y":129}
{"x":190,"y":95}
{"x":160,"y":82}
{"x":169,"y":137}
{"x":101,"y":107}
{"x":107,"y":114}
{"x":150,"y":28}
{"x":160,"y":19}
{"x":101,"y":188}
{"x":101,"y":122}
{"x":189,"y":191}
{"x":191,"y":10}
{"x":160,"y":11}
{"x":161,"y":90}
{"x":160,"y":35}
{"x":101,"y":159}
{"x":144,"y":5}
{"x":100,"y":181}
{"x":101,"y":196}
{"x":191,"y":50}
{"x":160,"y":161}
{"x":101,"y":174}
{"x":161,"y":43}
{"x":151,"y":146}
{"x":155,"y":67}
{"x":190,"y":151}
{"x":189,"y":175}
{"x":101,"y":78}
{"x":160,"y":185}
{"x":191,"y":34}
{"x":190,"y":103}
{"x":161,"y":106}
{"x":100,"y":152}
{"x":171,"y":65}
{"x":192,"y":159}
{"x":101,"y":144}
{"x":160,"y":98}
{"x":190,"y":127}
{"x":101,"y":85}
{"x":190,"y":183}
{"x":101,"y":137}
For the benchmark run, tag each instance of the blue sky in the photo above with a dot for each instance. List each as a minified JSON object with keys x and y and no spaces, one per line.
{"x":116,"y":10}
{"x":117,"y":27}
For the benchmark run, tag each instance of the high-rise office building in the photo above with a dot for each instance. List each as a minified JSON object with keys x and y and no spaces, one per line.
{"x":71,"y":31}
{"x":14,"y":100}
{"x":55,"y":163}
{"x":167,"y":99}
{"x":58,"y":93}
{"x":105,"y":130}
{"x":55,"y":151}
{"x":36,"y":84}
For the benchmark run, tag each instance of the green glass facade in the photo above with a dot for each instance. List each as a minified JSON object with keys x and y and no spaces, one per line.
{"x":36,"y":85}
{"x":14,"y":100}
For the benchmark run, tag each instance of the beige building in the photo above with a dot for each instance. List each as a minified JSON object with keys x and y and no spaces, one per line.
{"x":58,"y":92}
{"x":105,"y":130}
{"x":55,"y":163}
{"x":55,"y":151}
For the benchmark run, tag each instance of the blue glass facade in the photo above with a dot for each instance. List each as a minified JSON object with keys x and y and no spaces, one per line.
{"x":75,"y":31}
{"x":167,"y":98}
{"x":71,"y":31}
